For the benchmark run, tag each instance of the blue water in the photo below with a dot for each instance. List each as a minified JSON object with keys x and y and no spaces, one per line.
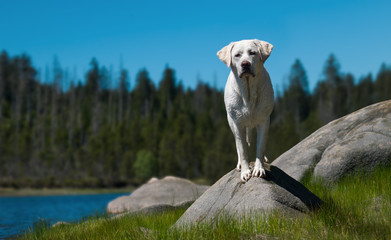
{"x":18,"y":214}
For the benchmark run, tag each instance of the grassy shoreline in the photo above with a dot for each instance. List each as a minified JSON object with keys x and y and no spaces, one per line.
{"x":358,"y":207}
{"x":12,"y":192}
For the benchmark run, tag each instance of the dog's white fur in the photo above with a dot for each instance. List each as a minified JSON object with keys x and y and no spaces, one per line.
{"x":249,"y":99}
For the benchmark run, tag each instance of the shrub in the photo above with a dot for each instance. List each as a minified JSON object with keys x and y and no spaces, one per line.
{"x":145,"y":165}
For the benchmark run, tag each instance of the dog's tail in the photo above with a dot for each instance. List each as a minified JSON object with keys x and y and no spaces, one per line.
{"x":248,"y":136}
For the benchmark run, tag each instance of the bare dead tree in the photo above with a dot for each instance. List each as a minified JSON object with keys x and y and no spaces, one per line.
{"x":110,"y":113}
{"x":2,"y":83}
{"x":72,"y":108}
{"x":56,"y":85}
{"x":18,"y":104}
{"x":121,"y":94}
{"x":37,"y":120}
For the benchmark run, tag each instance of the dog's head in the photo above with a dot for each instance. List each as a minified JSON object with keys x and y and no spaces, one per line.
{"x":245,"y":55}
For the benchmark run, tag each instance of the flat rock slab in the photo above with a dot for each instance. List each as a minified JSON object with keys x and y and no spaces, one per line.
{"x":358,"y":141}
{"x":158,"y":194}
{"x":229,"y":196}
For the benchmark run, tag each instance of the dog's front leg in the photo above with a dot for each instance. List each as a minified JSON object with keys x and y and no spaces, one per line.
{"x":241,"y":148}
{"x":262,"y":130}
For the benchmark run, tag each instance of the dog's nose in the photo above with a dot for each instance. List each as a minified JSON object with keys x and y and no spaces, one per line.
{"x":246,"y":64}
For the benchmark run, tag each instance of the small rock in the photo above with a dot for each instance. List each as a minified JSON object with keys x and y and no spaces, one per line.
{"x":158,"y":194}
{"x":60,"y":223}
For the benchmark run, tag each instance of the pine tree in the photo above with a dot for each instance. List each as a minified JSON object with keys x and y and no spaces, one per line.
{"x":325,"y":93}
{"x":167,"y":90}
{"x":142,"y":95}
{"x":297,"y":94}
{"x":382,"y":85}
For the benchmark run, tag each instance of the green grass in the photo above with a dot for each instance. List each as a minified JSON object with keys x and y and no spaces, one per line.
{"x":358,"y":207}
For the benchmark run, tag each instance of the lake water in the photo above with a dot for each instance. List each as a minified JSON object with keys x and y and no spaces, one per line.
{"x":17,"y":214}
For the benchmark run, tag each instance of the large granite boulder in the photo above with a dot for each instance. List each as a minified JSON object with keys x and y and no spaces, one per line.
{"x":167,"y":193}
{"x":358,"y":141}
{"x":229,"y":196}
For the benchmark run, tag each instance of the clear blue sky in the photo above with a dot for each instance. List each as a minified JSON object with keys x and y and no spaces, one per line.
{"x":186,"y":35}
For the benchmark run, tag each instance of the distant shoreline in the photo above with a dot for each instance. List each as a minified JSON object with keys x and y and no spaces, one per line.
{"x":21,"y":192}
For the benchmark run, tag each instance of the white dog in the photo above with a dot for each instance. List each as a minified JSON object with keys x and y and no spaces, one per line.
{"x":249,"y":99}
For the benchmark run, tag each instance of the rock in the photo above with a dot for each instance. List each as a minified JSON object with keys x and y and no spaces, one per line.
{"x":378,"y":204}
{"x":118,"y":205}
{"x":358,"y":141}
{"x":152,"y":179}
{"x":160,"y":208}
{"x":158,"y":194}
{"x":229,"y":196}
{"x":60,"y":223}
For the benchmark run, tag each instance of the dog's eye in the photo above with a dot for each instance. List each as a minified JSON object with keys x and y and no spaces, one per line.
{"x":237,"y":55}
{"x":252,"y":53}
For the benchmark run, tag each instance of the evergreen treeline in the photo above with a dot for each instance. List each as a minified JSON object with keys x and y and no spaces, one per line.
{"x":100,"y":133}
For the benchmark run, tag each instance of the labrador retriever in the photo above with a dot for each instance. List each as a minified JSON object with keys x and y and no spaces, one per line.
{"x":249,"y":100}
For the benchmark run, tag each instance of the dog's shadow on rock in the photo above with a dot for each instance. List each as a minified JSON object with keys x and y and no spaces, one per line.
{"x":279,"y":177}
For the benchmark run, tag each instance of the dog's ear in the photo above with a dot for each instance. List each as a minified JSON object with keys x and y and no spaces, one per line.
{"x":225,"y":54}
{"x":264,"y":48}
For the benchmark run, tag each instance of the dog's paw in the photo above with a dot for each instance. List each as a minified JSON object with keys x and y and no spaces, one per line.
{"x":259,"y":171}
{"x":238,"y":167}
{"x":245,"y":175}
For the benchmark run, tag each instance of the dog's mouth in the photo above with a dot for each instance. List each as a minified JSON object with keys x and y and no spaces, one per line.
{"x":246,"y":72}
